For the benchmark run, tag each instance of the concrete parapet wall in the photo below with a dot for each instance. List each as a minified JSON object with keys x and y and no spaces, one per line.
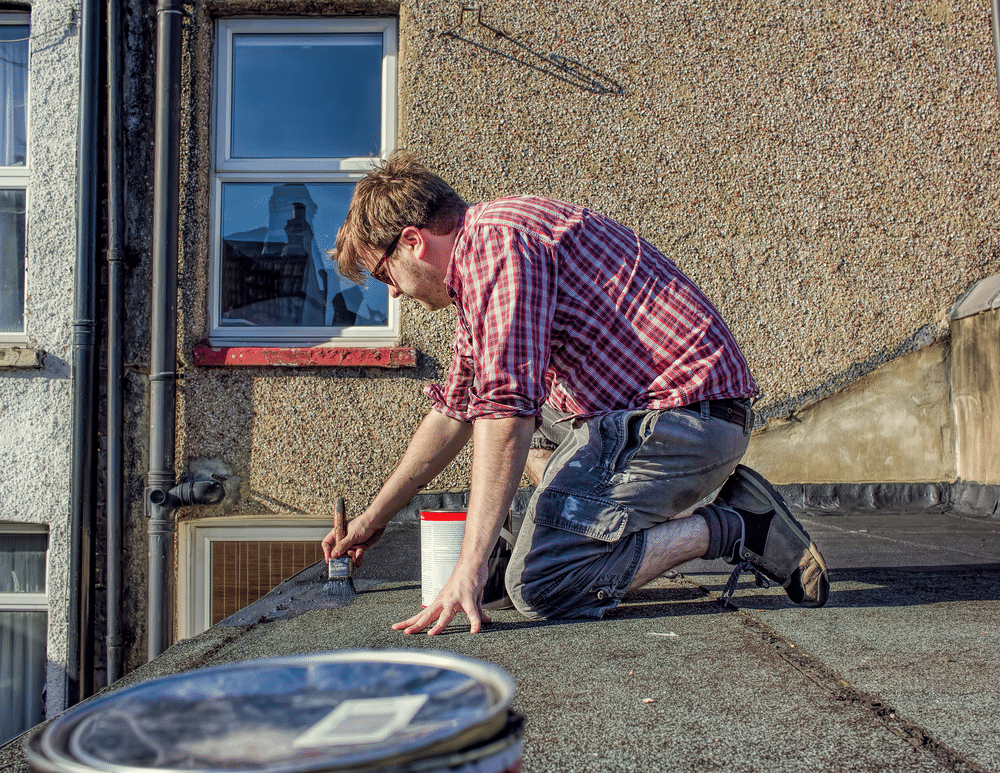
{"x":976,"y":395}
{"x":894,"y":425}
{"x":930,"y":416}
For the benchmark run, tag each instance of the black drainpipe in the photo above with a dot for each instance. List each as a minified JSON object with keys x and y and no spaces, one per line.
{"x":113,"y":642}
{"x":79,"y":651}
{"x":163,"y":497}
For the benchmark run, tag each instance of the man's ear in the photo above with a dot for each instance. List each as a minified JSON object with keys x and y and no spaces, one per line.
{"x":414,"y":238}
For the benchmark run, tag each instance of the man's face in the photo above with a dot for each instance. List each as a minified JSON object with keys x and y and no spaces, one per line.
{"x":420,"y":278}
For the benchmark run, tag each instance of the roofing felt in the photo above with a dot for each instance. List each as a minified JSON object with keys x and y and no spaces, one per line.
{"x":900,"y":671}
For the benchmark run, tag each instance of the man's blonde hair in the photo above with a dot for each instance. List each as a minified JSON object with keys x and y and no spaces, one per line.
{"x":398,"y":193}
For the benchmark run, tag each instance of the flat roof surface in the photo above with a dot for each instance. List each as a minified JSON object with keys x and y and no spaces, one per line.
{"x":899,"y":672}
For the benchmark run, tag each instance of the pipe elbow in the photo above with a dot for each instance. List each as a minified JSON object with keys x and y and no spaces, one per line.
{"x":203,"y":491}
{"x":200,"y":492}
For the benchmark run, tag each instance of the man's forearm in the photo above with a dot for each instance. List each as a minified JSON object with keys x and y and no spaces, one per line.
{"x":433,"y":446}
{"x":500,"y":448}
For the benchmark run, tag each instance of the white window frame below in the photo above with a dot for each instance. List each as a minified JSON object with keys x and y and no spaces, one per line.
{"x":194,"y":560}
{"x":32,"y":602}
{"x":317,"y":170}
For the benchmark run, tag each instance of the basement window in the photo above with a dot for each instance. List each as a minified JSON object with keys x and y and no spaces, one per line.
{"x":226,"y":563}
{"x":303,"y":108}
{"x":24,"y":622}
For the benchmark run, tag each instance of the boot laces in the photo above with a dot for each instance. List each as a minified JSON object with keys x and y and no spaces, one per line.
{"x":734,"y":579}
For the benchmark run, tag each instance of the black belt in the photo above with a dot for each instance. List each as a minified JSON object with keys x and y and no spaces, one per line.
{"x":730,"y":409}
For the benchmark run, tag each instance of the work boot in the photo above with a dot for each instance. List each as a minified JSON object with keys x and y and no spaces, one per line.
{"x":773,"y":545}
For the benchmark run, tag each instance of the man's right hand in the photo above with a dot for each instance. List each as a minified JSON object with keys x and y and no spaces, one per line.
{"x":361,"y":535}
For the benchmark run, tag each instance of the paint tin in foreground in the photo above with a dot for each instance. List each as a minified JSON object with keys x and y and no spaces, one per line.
{"x":358,"y":710}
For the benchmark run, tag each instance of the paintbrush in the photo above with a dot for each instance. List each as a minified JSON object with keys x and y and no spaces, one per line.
{"x":340,"y":571}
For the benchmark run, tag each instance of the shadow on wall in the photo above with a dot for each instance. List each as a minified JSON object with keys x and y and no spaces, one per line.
{"x":554,"y":65}
{"x":785,"y":409}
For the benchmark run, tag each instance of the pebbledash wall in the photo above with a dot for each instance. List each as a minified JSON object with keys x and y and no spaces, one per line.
{"x":827,"y":173}
{"x":35,"y":363}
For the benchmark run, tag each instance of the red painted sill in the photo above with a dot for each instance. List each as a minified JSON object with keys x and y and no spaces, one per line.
{"x":304,"y":357}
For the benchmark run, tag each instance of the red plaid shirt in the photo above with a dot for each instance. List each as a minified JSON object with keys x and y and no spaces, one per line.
{"x":560,"y":304}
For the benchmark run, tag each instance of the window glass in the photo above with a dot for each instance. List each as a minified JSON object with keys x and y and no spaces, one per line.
{"x":275,"y":270}
{"x":306,"y":96}
{"x":22,"y":562}
{"x":244,"y":571}
{"x":13,"y":160}
{"x":23,"y":631}
{"x":22,"y":671}
{"x":11,"y":260}
{"x":13,"y":94}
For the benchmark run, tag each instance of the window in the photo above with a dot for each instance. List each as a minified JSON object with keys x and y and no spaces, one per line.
{"x":23,"y":629}
{"x":14,"y":30}
{"x":224,"y":564}
{"x":303,"y":107}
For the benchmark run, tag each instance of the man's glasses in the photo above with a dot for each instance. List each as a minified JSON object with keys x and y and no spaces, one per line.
{"x":377,"y":272}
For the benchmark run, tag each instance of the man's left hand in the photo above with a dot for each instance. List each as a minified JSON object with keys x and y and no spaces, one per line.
{"x":462,"y":593}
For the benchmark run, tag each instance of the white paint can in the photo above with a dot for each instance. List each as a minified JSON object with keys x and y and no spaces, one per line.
{"x":441,"y":533}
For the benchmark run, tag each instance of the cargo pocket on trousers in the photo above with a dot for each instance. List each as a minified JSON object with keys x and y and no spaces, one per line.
{"x":594,"y":517}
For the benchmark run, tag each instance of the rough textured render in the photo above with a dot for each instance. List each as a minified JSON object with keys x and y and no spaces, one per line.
{"x":35,"y":411}
{"x":827,"y":173}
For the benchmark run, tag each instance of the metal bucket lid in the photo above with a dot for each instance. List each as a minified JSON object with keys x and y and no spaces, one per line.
{"x":352,"y":709}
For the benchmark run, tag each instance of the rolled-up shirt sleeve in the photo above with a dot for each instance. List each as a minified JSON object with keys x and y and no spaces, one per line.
{"x":505,"y":299}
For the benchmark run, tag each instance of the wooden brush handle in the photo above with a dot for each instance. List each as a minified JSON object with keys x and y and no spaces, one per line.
{"x":340,"y":519}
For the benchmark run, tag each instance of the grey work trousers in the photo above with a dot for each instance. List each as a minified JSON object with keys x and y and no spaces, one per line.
{"x":610,"y":478}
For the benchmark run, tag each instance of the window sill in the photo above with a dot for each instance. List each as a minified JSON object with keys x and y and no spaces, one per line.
{"x":206,"y":355}
{"x":20,"y":357}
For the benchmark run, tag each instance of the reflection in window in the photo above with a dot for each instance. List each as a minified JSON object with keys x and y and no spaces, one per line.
{"x":275,"y":270}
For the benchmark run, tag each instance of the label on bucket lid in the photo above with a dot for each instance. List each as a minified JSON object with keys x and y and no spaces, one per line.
{"x":326,"y":712}
{"x":368,"y":720}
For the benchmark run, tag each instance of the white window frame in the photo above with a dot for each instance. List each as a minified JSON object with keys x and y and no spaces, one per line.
{"x":318,"y":170}
{"x":32,"y":602}
{"x":16,"y":177}
{"x":26,"y":602}
{"x":194,"y":560}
